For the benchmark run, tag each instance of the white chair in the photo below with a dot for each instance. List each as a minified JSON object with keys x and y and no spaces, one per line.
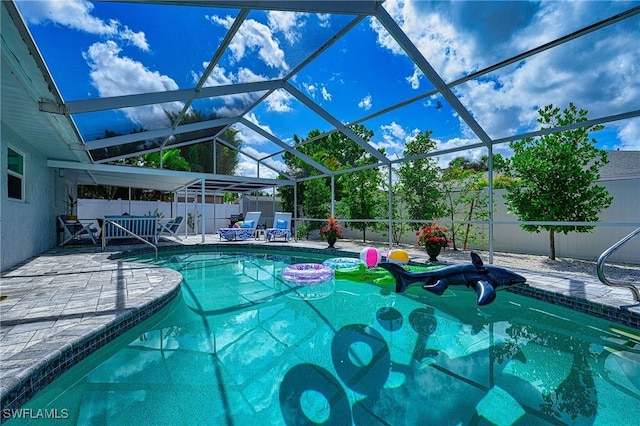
{"x":74,"y":231}
{"x":244,"y":231}
{"x":281,"y":227}
{"x":171,"y":227}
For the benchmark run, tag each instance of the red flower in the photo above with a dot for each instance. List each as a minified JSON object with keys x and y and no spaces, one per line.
{"x":331,"y":229}
{"x":432,"y":236}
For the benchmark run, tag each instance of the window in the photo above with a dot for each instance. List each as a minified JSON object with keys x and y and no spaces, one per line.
{"x":15,"y":174}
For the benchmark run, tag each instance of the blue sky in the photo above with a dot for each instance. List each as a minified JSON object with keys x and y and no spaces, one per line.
{"x":111,"y":49}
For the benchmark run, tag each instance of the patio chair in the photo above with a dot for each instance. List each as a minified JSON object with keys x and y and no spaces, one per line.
{"x":75,"y":231}
{"x":234,"y":218}
{"x":244,"y":231}
{"x":171,"y":227}
{"x":281,"y":227}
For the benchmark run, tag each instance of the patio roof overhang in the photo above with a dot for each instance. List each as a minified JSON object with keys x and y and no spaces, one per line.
{"x":163,"y":180}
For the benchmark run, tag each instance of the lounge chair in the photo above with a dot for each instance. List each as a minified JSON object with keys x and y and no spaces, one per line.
{"x":281,"y":227}
{"x":244,"y":231}
{"x":234,"y":218}
{"x":74,"y":231}
{"x":171,"y":227}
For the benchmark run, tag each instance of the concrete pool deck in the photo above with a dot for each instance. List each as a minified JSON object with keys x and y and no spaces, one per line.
{"x":60,"y":306}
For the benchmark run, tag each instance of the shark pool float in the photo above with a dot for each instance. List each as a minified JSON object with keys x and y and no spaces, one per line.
{"x":482,"y":278}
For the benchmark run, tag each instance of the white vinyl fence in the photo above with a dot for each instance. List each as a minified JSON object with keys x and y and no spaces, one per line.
{"x":625,"y":209}
{"x":216,"y":215}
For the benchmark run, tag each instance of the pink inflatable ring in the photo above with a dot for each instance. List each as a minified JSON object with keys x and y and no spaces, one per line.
{"x":306,"y":274}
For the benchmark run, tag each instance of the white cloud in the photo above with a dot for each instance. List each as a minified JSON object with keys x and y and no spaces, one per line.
{"x":137,"y":39}
{"x":225,"y":22}
{"x":394,"y":130}
{"x":113,"y":75}
{"x":325,"y":93}
{"x":597,"y":72}
{"x":394,"y":138}
{"x":254,"y":37}
{"x":439,"y":40}
{"x":414,"y":79}
{"x":288,"y":23}
{"x":218,"y":76}
{"x":76,"y":14}
{"x":324,"y":19}
{"x":317,"y":90}
{"x":248,"y":136}
{"x":366,"y":103}
{"x":628,"y":132}
{"x":472,"y":154}
{"x":249,"y":168}
{"x":236,"y":103}
{"x":279,"y":101}
{"x":310,"y":89}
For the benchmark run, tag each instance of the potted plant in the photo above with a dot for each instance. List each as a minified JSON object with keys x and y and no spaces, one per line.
{"x":193,"y":219}
{"x":433,"y":238}
{"x":331,"y":231}
{"x":71,"y":207}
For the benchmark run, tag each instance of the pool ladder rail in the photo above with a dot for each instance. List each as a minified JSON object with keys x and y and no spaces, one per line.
{"x":602,"y":259}
{"x":134,"y":235}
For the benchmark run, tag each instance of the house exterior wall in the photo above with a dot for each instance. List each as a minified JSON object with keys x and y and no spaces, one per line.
{"x":29,"y":227}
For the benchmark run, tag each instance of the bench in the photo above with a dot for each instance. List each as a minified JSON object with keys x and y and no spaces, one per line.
{"x":127,"y":226}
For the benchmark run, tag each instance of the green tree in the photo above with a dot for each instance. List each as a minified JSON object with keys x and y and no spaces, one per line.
{"x":462,"y":184}
{"x":420,"y":183}
{"x":200,"y":155}
{"x":556,"y":175}
{"x":317,"y":201}
{"x":172,"y":159}
{"x":399,"y":212}
{"x":362,"y":198}
{"x":334,"y":151}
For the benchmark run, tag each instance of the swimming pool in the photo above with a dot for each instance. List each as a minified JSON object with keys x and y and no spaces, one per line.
{"x":238,"y":347}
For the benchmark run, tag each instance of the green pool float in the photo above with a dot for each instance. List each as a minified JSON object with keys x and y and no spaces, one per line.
{"x":378,"y":275}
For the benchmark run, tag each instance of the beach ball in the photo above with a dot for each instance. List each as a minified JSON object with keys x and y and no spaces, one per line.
{"x":237,"y":224}
{"x":399,"y":256}
{"x":370,"y":256}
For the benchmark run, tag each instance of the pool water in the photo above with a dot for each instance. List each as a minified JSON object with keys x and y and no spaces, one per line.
{"x":238,"y":347}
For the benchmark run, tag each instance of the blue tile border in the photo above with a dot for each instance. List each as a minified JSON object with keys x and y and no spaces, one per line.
{"x":611,"y":313}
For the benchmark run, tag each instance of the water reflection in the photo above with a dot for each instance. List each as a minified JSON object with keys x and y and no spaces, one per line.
{"x":237,"y":350}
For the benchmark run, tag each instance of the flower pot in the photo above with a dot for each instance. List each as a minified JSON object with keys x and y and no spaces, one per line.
{"x":433,"y":253}
{"x":331,"y":241}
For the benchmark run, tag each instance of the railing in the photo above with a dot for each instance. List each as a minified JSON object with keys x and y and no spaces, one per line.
{"x":603,"y":257}
{"x":126,"y":231}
